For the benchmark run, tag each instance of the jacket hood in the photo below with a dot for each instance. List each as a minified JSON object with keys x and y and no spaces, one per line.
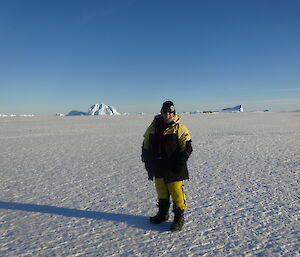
{"x":177,"y":118}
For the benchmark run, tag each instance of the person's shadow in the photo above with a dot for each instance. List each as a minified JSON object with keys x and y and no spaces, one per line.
{"x":137,"y":221}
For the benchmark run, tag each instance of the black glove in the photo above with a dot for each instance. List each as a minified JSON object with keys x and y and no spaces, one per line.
{"x":149,"y":170}
{"x":146,"y":159}
{"x":182,"y":157}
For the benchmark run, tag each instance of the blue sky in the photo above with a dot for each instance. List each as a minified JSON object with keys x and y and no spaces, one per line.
{"x":63,"y":55}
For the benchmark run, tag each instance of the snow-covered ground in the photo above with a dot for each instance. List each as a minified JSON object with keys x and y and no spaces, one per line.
{"x":75,"y":186}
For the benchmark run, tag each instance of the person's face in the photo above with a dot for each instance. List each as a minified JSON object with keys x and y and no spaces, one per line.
{"x":168,"y":116}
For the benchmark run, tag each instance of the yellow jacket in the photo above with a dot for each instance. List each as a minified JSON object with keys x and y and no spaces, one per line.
{"x":166,"y":149}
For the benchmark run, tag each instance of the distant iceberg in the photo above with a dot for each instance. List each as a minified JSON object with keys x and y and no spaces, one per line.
{"x":102,"y":109}
{"x":96,"y":109}
{"x":76,"y":113}
{"x":16,"y":115}
{"x":238,"y":108}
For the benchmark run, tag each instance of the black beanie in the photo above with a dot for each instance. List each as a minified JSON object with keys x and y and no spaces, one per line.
{"x":168,"y":106}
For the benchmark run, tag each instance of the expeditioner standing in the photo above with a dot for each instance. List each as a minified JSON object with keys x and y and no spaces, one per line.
{"x":165,"y":151}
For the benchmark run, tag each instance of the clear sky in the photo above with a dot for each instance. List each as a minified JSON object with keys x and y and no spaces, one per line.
{"x":63,"y":55}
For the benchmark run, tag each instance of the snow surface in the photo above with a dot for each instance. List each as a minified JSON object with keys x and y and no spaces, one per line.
{"x":75,"y":186}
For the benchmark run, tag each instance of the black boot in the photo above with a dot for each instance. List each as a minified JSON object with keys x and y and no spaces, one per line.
{"x":163,"y":212}
{"x":178,"y":219}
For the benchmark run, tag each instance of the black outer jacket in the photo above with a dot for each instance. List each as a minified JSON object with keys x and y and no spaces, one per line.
{"x":171,"y":164}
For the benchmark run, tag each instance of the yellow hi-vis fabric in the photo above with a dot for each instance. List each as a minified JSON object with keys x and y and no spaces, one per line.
{"x":176,"y":128}
{"x":175,"y":189}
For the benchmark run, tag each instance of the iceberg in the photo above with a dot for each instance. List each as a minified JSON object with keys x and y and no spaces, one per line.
{"x":102,"y":109}
{"x":96,"y":109}
{"x":238,"y":108}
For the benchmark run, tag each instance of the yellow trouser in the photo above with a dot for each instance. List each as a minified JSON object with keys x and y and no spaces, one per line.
{"x":175,"y":189}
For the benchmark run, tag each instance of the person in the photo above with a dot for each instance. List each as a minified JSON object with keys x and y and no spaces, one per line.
{"x":165,"y":151}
